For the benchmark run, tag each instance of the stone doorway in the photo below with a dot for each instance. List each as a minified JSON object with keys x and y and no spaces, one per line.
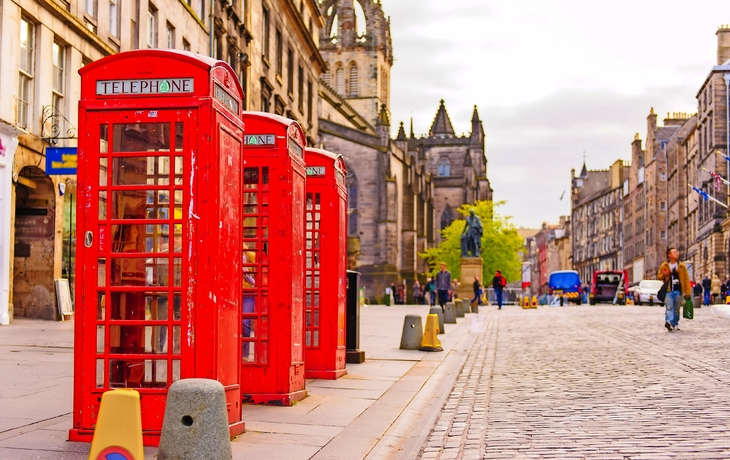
{"x":33,"y":284}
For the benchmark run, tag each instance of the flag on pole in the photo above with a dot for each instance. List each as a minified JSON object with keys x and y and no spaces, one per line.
{"x":706,"y":197}
{"x":702,"y":193}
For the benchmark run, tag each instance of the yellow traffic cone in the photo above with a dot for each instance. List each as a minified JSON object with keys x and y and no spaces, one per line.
{"x":525,"y":302}
{"x":430,"y":340}
{"x":534,"y":301}
{"x":119,"y":428}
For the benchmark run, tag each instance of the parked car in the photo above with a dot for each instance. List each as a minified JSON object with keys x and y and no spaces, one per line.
{"x":646,"y":291}
{"x":566,"y":285}
{"x":609,"y":285}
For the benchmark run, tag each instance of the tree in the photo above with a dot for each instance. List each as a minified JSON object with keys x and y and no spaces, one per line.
{"x":501,"y":245}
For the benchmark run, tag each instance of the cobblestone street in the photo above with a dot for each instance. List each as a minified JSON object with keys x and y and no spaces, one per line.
{"x":602,"y":382}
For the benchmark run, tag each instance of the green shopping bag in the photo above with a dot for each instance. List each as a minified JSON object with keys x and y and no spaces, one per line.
{"x":689,"y":309}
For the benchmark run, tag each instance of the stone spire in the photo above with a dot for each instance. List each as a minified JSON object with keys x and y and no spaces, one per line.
{"x":401,"y":133}
{"x":442,"y":123}
{"x":477,"y":130}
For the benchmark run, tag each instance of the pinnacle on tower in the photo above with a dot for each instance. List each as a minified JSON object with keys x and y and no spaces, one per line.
{"x":442,"y":123}
{"x":383,"y":117}
{"x":401,"y":133}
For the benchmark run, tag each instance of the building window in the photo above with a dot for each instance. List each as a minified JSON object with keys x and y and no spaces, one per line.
{"x":662,"y":205}
{"x":170,"y":29}
{"x":326,"y":78}
{"x":186,"y":45}
{"x":340,"y":80}
{"x":352,"y":202}
{"x":59,"y":77}
{"x":310,"y":102}
{"x":354,"y":92}
{"x":279,"y":53}
{"x":114,"y":7}
{"x":444,"y":168}
{"x":201,"y":14}
{"x":447,"y":217}
{"x":26,"y":67}
{"x":90,"y":7}
{"x":265,"y":32}
{"x":217,"y":47}
{"x":152,"y":27}
{"x":301,"y":90}
{"x":290,"y":71}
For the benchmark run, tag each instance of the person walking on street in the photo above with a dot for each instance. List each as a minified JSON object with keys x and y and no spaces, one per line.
{"x":676,"y":274}
{"x":706,"y":287}
{"x":417,"y":292}
{"x":431,"y":290}
{"x":443,"y":285}
{"x":477,"y":300}
{"x":715,"y":288}
{"x":498,"y":283}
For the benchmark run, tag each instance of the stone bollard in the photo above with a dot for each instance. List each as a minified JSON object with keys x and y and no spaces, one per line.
{"x":412,"y":334}
{"x":459,"y":304}
{"x":475,"y":307}
{"x":196,"y":422}
{"x":438,"y":311}
{"x":449,"y":313}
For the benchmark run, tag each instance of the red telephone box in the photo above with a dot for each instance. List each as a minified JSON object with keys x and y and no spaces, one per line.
{"x":273,"y":287}
{"x":325,"y":265}
{"x":159,"y":216}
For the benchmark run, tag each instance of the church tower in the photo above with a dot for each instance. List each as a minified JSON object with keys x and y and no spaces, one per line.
{"x":357,"y":46}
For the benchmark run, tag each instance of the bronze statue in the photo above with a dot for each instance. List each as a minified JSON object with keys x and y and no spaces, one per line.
{"x":471,"y":237}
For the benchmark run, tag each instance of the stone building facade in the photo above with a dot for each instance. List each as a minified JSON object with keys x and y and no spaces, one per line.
{"x":679,"y":172}
{"x":596,"y":219}
{"x":634,"y":221}
{"x":272,"y":45}
{"x":402,"y":190}
{"x":548,"y":251}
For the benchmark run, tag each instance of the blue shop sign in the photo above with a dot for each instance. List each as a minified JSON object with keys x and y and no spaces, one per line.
{"x":61,"y":160}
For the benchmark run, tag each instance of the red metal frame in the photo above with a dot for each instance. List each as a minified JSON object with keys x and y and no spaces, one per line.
{"x":273,"y":288}
{"x":325,"y":265}
{"x":159,"y":214}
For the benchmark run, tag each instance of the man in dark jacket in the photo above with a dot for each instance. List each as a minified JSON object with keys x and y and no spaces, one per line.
{"x":706,"y":288}
{"x":498,"y":283}
{"x":443,"y":285}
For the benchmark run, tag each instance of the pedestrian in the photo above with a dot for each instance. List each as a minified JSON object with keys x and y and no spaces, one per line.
{"x":443,"y":284}
{"x":706,"y":287}
{"x":697,"y":290}
{"x":417,"y":292}
{"x":723,"y":292}
{"x":431,"y":290}
{"x":715,"y":288}
{"x":477,"y":300}
{"x":677,"y":276}
{"x":498,"y":283}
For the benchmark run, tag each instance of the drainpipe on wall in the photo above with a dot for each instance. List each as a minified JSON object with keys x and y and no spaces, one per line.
{"x":8,"y":144}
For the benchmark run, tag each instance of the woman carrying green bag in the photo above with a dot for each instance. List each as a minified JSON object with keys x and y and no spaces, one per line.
{"x":675,"y":274}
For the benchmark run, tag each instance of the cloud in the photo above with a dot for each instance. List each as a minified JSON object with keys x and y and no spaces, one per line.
{"x":532,"y":147}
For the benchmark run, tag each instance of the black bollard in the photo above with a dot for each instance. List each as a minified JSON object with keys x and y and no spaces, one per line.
{"x":352,"y":331}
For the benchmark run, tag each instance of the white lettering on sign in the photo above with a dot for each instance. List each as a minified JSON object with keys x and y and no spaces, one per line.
{"x":259,"y":140}
{"x":145,"y":86}
{"x":315,"y":170}
{"x":227,"y":100}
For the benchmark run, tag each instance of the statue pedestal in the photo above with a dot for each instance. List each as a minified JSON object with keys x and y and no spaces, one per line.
{"x":470,"y":267}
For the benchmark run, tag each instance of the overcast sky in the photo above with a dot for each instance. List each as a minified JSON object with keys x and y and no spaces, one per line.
{"x":551,"y":78}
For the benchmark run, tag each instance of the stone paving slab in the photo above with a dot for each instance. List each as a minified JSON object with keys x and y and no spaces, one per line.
{"x":341,"y":419}
{"x":590,"y":382}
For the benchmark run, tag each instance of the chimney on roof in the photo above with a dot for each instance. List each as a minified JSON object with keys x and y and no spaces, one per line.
{"x":723,"y":44}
